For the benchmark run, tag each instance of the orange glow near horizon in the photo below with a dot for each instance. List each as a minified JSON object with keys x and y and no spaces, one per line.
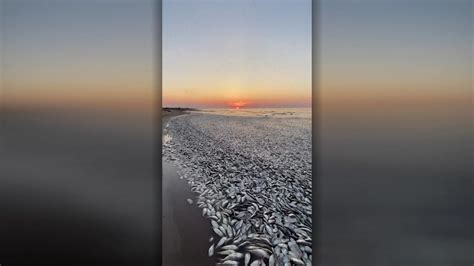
{"x":238,"y":105}
{"x":212,"y":59}
{"x":235,"y":89}
{"x":205,"y":101}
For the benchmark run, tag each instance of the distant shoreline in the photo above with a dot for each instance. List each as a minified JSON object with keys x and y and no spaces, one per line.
{"x":169,"y":112}
{"x":178,"y":109}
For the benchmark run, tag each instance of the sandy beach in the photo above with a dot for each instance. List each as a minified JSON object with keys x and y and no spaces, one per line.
{"x":250,"y":175}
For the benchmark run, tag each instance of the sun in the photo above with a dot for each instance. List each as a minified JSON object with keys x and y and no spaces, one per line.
{"x":238,"y":105}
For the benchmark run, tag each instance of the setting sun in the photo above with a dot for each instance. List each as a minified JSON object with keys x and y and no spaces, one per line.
{"x":238,"y":105}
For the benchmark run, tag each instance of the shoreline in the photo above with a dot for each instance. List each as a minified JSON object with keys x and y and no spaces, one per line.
{"x":167,"y":114}
{"x":185,"y":231}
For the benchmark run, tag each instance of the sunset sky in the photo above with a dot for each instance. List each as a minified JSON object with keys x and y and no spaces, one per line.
{"x":238,"y":52}
{"x":246,"y":53}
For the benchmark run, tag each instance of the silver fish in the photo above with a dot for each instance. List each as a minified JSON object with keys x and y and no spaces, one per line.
{"x":232,"y":247}
{"x":255,"y":263}
{"x":259,"y":253}
{"x":218,"y":232}
{"x":297,"y":261}
{"x":271,"y":260}
{"x":228,"y":262}
{"x":211,"y":250}
{"x":226,"y":252}
{"x":221,"y":241}
{"x":247,"y":259}
{"x":234,"y":256}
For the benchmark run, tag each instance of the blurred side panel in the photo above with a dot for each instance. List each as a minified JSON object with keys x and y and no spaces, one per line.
{"x":77,"y":166}
{"x":395,"y":102}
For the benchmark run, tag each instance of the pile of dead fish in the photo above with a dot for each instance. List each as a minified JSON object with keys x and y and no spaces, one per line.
{"x":252,"y":177}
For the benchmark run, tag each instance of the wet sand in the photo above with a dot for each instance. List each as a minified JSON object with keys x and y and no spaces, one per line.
{"x":185,"y":231}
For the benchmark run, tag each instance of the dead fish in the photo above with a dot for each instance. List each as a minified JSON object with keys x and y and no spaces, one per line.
{"x":303,"y":242}
{"x":221,"y":241}
{"x":211,"y":250}
{"x":225,"y":203}
{"x":223,"y":230}
{"x":246,"y":195}
{"x":259,"y":253}
{"x":255,"y":263}
{"x":228,"y":262}
{"x":232,"y":247}
{"x":218,"y":232}
{"x":237,"y":240}
{"x":234,"y":256}
{"x":247,"y":259}
{"x":244,"y":243}
{"x":269,"y":229}
{"x":296,"y":261}
{"x":190,"y":201}
{"x":238,"y":225}
{"x":229,"y":231}
{"x":277,"y":250}
{"x":226,"y":252}
{"x":271,"y":261}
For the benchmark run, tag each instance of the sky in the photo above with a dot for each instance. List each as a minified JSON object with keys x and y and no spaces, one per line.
{"x":245,"y":53}
{"x":83,"y":53}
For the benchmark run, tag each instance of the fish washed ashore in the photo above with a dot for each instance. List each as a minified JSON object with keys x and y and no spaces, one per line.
{"x":252,"y":177}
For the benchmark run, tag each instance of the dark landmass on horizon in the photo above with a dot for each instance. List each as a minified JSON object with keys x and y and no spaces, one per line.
{"x":182,"y":109}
